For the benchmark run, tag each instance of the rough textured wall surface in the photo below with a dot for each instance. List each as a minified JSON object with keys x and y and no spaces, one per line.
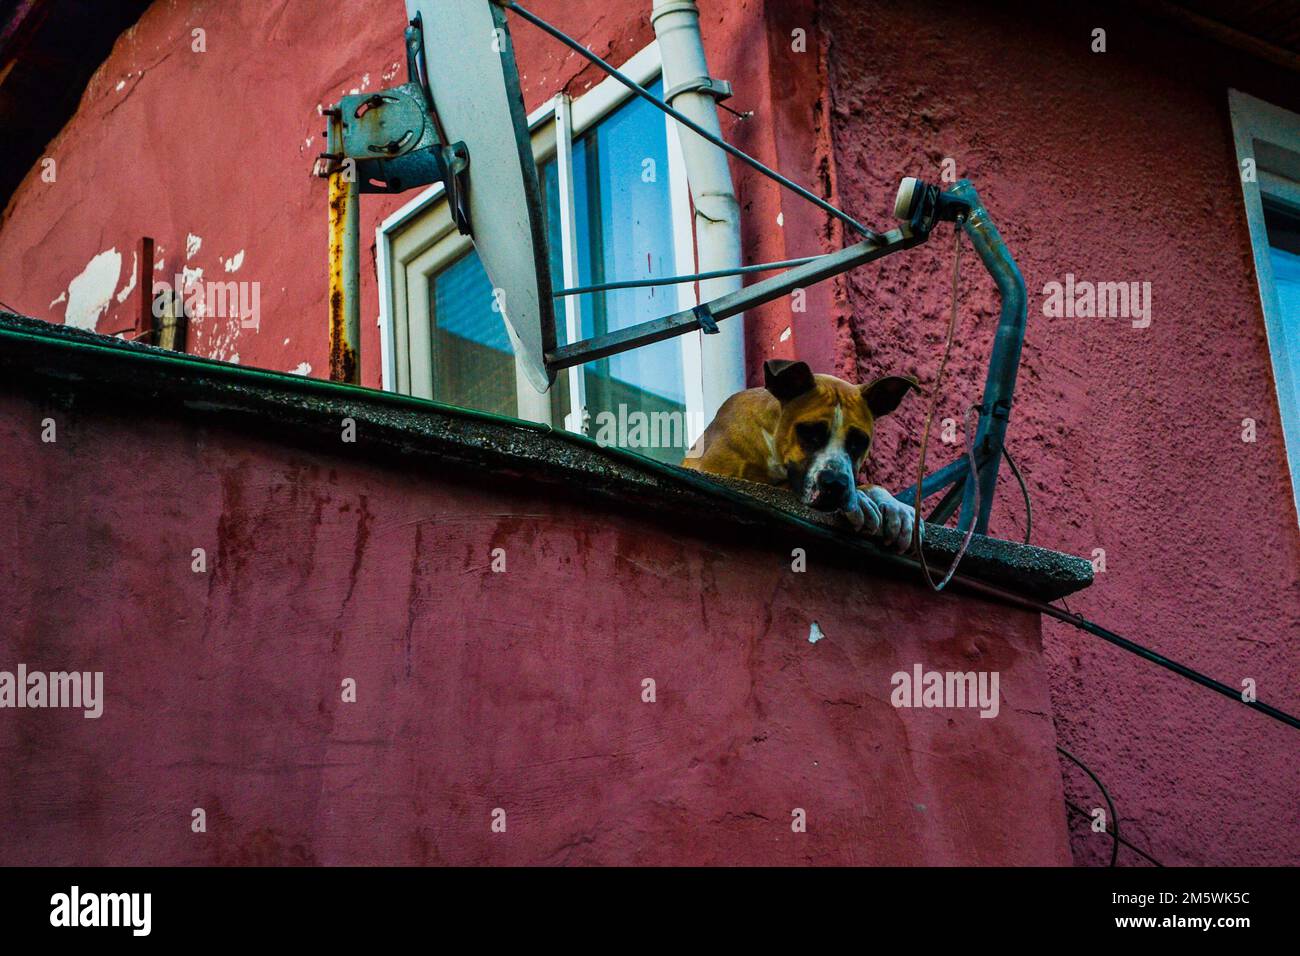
{"x":1114,"y":167}
{"x":476,"y":689}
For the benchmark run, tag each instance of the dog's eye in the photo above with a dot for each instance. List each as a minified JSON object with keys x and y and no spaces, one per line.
{"x":857,"y":443}
{"x":812,"y":434}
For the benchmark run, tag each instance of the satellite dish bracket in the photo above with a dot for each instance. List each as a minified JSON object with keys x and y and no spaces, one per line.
{"x":397,"y":142}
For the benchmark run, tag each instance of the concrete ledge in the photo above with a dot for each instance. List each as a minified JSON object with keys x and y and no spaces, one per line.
{"x":66,"y":365}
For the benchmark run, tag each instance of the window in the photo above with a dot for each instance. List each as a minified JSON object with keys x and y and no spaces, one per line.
{"x":1268,"y":145}
{"x":617,"y":208}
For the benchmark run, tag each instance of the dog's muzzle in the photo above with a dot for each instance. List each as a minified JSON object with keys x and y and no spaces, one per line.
{"x":829,"y":485}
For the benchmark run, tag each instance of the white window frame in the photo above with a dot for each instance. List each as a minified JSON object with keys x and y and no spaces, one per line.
{"x":553,"y":126}
{"x":1254,"y":119}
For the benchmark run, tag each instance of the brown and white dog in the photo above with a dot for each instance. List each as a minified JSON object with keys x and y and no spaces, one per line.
{"x":811,"y":434}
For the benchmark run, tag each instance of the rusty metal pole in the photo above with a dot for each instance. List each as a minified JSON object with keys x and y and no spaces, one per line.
{"x":345,"y":260}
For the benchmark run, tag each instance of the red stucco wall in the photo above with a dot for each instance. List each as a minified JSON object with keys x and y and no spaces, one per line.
{"x":1120,"y":167}
{"x":1114,"y":167}
{"x":218,"y":145}
{"x":475,"y":690}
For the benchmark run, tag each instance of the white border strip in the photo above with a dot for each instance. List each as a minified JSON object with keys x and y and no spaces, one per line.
{"x":1254,"y":119}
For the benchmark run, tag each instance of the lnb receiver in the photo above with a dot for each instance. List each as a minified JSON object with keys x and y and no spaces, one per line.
{"x":922,"y":205}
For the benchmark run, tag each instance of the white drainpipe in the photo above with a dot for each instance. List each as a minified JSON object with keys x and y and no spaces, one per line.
{"x":717,"y":214}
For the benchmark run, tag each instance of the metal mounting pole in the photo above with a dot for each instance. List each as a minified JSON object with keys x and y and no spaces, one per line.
{"x":345,"y":260}
{"x":1004,"y":360}
{"x":999,"y":383}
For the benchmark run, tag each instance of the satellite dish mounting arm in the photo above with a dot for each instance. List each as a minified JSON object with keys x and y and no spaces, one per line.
{"x":388,"y":141}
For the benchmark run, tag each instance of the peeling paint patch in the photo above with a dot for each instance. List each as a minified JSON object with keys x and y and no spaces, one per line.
{"x":785,"y":336}
{"x":302,"y":369}
{"x":91,"y":293}
{"x":780,"y":219}
{"x":815,"y":633}
{"x":235,"y":261}
{"x":190,"y":278}
{"x":63,"y":297}
{"x":192,"y":245}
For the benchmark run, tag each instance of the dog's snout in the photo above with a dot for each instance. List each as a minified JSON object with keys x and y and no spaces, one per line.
{"x":832,"y":483}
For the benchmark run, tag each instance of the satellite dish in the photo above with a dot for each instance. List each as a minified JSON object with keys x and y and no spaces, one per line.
{"x":469,"y":65}
{"x":459,"y":119}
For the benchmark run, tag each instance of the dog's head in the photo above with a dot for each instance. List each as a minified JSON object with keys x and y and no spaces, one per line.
{"x":826,"y":428}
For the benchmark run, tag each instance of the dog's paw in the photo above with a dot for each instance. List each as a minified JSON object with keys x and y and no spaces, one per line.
{"x":897,"y":520}
{"x":864,"y":514}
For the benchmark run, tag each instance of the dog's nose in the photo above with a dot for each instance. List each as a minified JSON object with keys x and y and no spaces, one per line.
{"x":832,"y":484}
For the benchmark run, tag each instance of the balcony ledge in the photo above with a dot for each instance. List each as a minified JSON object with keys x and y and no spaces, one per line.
{"x":67,"y":366}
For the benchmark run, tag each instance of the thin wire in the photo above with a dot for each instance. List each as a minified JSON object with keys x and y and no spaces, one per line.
{"x":1114,"y":817}
{"x":1024,"y":491}
{"x":1028,"y":526}
{"x":1132,"y":647}
{"x":1136,"y":849}
{"x":689,"y":123}
{"x":679,"y":280}
{"x":1076,"y":620}
{"x":918,"y":528}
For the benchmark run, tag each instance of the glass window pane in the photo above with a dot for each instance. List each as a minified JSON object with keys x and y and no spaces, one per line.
{"x":1282,"y":224}
{"x":473,"y":363}
{"x":624,"y":231}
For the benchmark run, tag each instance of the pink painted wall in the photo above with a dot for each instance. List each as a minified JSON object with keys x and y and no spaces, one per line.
{"x":219,"y":145}
{"x":1129,"y":437}
{"x":1119,"y":167}
{"x":475,"y":690}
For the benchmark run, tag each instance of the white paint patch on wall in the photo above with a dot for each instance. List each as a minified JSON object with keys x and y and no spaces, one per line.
{"x":192,"y":245}
{"x":302,"y":369}
{"x":235,"y":261}
{"x":63,"y":297}
{"x":90,"y":294}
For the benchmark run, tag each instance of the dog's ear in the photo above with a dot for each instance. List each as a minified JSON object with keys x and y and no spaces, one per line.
{"x":884,"y":394}
{"x":787,"y":380}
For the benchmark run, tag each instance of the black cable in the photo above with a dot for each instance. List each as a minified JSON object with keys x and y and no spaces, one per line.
{"x":1029,"y":524}
{"x":1136,"y":849}
{"x":1114,"y":817}
{"x":1029,"y":519}
{"x":1069,"y":617}
{"x":1024,"y":491}
{"x":1132,"y":647}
